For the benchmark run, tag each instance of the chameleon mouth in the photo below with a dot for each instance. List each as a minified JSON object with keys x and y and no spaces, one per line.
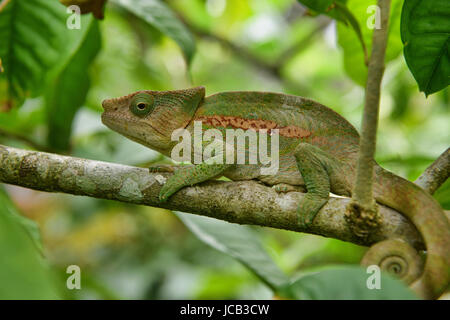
{"x":125,"y":126}
{"x":112,"y":121}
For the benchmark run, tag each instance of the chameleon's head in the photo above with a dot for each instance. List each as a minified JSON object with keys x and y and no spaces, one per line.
{"x":150,"y":117}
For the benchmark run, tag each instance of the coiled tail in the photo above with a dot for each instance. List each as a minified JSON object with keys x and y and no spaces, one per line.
{"x":432,"y":278}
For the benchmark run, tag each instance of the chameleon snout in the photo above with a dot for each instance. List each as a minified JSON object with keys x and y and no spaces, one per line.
{"x":108,"y":104}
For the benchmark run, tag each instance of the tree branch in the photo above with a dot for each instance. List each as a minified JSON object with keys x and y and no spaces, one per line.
{"x":436,"y":174}
{"x":245,"y":202}
{"x":238,"y":50}
{"x":302,"y":44}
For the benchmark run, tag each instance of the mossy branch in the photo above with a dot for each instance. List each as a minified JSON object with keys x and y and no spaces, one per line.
{"x":245,"y":202}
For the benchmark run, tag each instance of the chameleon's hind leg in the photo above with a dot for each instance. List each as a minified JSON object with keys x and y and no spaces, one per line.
{"x":285,"y":188}
{"x":316,"y":166}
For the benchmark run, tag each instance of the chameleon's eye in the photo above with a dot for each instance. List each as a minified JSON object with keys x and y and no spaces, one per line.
{"x":142,"y":104}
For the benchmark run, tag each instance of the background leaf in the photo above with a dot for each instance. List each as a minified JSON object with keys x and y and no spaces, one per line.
{"x":68,"y":91}
{"x":23,"y":274}
{"x":442,"y":195}
{"x":86,"y":6}
{"x":338,"y":10}
{"x":327,"y":7}
{"x":35,"y":42}
{"x":159,"y":15}
{"x":345,"y":283}
{"x":354,"y":63}
{"x":239,"y":242}
{"x":425,"y":32}
{"x":29,"y":225}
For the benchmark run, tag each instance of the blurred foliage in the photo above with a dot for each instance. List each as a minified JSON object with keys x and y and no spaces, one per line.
{"x":86,"y":6}
{"x":345,"y":283}
{"x":35,"y":42}
{"x":69,"y":89}
{"x":156,"y":13}
{"x":240,"y":243}
{"x":354,"y":59}
{"x":55,"y":79}
{"x":23,"y":273}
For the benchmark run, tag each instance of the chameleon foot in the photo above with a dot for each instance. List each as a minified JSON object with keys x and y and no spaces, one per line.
{"x":285,"y":188}
{"x":167,"y":190}
{"x":308,"y":208}
{"x":189,"y":175}
{"x":161,"y":168}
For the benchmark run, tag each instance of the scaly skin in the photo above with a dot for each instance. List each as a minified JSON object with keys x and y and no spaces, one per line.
{"x":317,"y":150}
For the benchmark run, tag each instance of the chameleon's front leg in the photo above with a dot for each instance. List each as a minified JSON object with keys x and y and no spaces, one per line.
{"x":316,"y":166}
{"x":190,"y":175}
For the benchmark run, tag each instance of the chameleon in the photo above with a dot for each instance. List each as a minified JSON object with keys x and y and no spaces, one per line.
{"x":317,"y":150}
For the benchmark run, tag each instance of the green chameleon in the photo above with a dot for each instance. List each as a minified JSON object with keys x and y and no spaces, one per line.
{"x":317,"y":150}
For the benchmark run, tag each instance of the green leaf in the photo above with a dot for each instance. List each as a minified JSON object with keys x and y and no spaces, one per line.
{"x":68,"y":91}
{"x":23,"y":273}
{"x":345,"y":283}
{"x":34,"y":42}
{"x":338,"y":10}
{"x":354,"y":59}
{"x":160,"y":16}
{"x":29,"y":225}
{"x":239,"y":242}
{"x":86,"y":6}
{"x":425,"y":32}
{"x":328,"y":7}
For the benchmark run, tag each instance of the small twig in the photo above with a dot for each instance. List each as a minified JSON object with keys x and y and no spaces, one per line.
{"x":363,"y":190}
{"x":363,"y":193}
{"x":29,"y":142}
{"x":238,"y":50}
{"x":272,"y":69}
{"x":436,"y":174}
{"x":301,"y":45}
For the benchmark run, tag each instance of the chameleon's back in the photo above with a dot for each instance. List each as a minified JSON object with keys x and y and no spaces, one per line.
{"x":298,"y":119}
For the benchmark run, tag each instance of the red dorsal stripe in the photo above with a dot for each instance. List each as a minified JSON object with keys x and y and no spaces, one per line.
{"x":254,"y":124}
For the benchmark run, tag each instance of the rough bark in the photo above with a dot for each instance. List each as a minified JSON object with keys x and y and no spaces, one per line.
{"x":245,"y":202}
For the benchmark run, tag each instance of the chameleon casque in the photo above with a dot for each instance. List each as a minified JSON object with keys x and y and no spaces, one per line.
{"x":318,"y":150}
